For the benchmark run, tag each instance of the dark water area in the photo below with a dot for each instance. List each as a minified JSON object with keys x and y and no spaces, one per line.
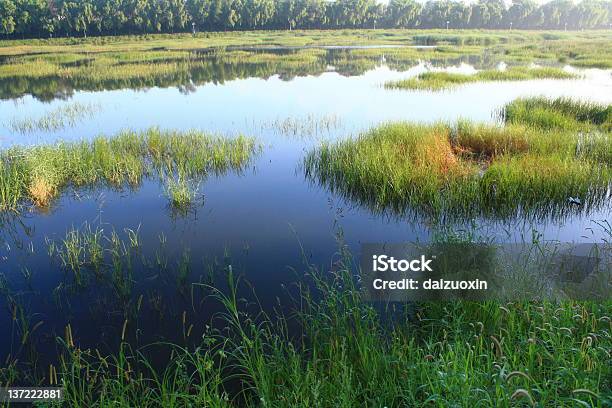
{"x":267,"y":221}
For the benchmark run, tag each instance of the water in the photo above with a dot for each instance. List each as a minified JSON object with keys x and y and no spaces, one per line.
{"x":262,"y":217}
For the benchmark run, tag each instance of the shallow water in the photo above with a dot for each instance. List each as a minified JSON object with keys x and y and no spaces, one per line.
{"x":261,"y":217}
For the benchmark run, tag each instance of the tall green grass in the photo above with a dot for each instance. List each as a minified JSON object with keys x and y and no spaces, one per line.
{"x":558,"y":114}
{"x":349,"y":353}
{"x":435,"y":81}
{"x":466,"y":169}
{"x":38,"y":174}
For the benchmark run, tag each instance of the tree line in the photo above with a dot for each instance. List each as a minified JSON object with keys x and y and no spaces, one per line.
{"x":48,"y":18}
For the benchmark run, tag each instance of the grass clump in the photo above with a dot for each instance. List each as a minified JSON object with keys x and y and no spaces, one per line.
{"x":180,"y":194}
{"x":38,"y":174}
{"x":436,"y":81}
{"x":559,"y":113}
{"x":465,"y":169}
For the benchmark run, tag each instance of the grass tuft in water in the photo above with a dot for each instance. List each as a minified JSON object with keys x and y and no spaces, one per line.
{"x":38,"y":174}
{"x":466,"y":169}
{"x":436,"y":81}
{"x":181,"y":194}
{"x":58,"y":119}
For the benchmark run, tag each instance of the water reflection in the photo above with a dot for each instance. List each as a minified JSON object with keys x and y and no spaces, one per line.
{"x":187,"y":71}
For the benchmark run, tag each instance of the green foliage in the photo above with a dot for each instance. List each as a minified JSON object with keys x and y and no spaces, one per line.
{"x":37,"y":18}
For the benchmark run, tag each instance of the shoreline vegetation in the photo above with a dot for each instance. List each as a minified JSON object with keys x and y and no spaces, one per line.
{"x":38,"y":174}
{"x":50,"y":69}
{"x":436,"y":81}
{"x":583,"y":49}
{"x":549,"y":153}
{"x":533,"y":353}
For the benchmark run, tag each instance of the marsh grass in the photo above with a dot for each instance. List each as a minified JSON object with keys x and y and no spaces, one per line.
{"x":353,"y":353}
{"x":328,"y":346}
{"x":558,"y":114}
{"x":181,"y":194}
{"x":466,"y":169}
{"x":47,"y":76}
{"x":79,"y":249}
{"x":570,"y":49}
{"x":57,"y":119}
{"x":436,"y":81}
{"x":97,"y":254}
{"x":38,"y":174}
{"x":542,"y":41}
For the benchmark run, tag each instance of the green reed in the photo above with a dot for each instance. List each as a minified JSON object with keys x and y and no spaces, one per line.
{"x":181,"y":194}
{"x":38,"y":174}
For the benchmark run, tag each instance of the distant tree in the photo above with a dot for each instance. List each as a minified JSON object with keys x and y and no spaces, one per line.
{"x":315,"y":15}
{"x":35,"y":18}
{"x":519,"y":13}
{"x":556,"y":14}
{"x":231,"y":13}
{"x":85,"y":16}
{"x":590,"y":14}
{"x":497,"y":9}
{"x":435,"y":14}
{"x":257,"y":13}
{"x":403,"y":13}
{"x":113,"y":16}
{"x":7,"y":16}
{"x":199,"y":11}
{"x":460,"y":15}
{"x":290,"y":13}
{"x":480,"y":16}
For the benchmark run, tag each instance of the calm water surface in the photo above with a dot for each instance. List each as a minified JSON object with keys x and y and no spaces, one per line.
{"x":261,"y":217}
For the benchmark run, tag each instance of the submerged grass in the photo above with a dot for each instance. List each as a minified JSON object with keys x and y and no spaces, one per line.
{"x":435,"y":81}
{"x":467,"y":168}
{"x":58,"y":119}
{"x":304,"y":127}
{"x":38,"y":174}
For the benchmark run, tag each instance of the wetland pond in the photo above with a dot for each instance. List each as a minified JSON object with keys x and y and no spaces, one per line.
{"x":268,"y":218}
